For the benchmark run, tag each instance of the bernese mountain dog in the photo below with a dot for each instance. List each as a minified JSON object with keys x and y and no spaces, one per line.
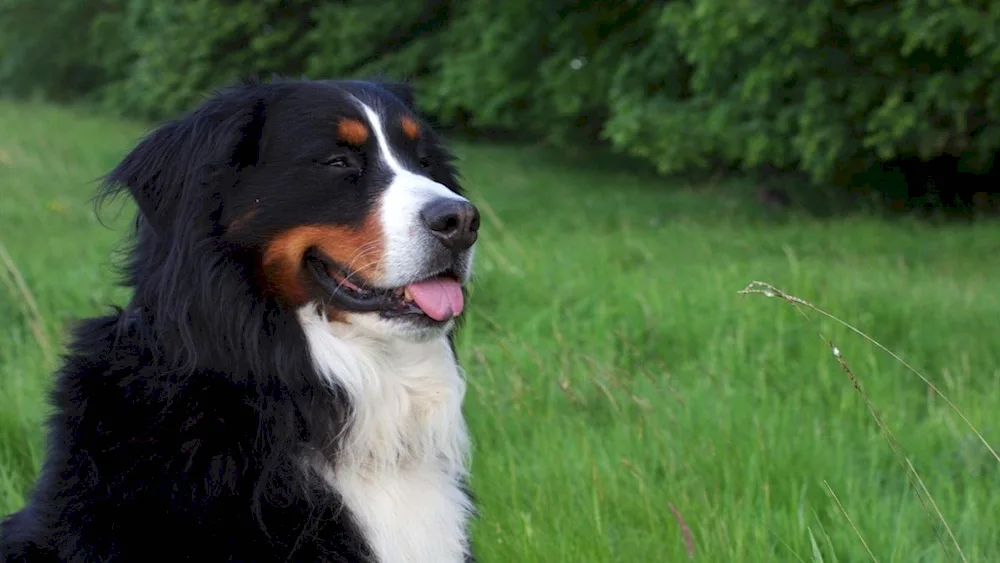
{"x":282,"y":384}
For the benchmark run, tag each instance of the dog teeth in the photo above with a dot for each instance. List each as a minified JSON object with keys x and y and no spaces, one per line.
{"x":406,"y":294}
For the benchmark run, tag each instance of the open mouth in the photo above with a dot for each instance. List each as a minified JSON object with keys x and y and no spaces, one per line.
{"x":437,"y":298}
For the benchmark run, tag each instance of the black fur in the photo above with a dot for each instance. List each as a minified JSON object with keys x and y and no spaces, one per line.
{"x":178,"y":419}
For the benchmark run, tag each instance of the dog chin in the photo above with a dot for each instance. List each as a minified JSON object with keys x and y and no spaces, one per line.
{"x":418,"y":329}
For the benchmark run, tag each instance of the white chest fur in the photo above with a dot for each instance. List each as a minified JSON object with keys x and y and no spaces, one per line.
{"x":406,"y":446}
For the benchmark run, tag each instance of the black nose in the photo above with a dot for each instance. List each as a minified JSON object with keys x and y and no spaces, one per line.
{"x":454,"y":222}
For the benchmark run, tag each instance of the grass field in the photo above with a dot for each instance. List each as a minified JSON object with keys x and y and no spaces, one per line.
{"x":626,"y":403}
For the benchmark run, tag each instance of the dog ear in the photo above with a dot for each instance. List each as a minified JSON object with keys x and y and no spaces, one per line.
{"x":183,"y":156}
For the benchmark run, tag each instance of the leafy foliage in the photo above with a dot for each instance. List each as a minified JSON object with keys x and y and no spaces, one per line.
{"x":46,"y":47}
{"x":827,"y":87}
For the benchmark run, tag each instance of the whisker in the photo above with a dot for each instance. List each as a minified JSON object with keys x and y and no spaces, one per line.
{"x":355,"y":272}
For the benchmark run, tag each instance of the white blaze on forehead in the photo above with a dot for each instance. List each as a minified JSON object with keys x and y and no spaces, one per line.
{"x":406,"y":239}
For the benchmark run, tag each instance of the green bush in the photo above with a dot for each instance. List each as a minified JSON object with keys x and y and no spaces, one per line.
{"x":831,"y":85}
{"x":826,"y":87}
{"x":181,"y":50}
{"x":548,"y":73}
{"x":391,"y":38}
{"x":47,"y":47}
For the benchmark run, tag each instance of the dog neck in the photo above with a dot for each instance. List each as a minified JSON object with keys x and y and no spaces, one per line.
{"x":400,"y":467}
{"x":405,"y":396}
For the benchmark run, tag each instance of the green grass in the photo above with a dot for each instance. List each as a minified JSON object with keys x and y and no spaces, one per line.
{"x":620,"y":388}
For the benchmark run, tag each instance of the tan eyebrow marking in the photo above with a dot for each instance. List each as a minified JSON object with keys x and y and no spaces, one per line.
{"x":410,"y":127}
{"x":352,"y":131}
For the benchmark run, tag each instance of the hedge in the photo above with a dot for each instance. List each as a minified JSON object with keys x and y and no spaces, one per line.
{"x":823,"y":87}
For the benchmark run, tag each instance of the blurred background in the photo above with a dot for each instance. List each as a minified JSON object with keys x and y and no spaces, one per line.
{"x":637,"y":164}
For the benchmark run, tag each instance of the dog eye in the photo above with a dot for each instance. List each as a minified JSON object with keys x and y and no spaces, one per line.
{"x":337,"y":162}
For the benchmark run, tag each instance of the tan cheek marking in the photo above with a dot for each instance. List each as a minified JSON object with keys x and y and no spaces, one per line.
{"x":410,"y":127}
{"x":359,"y":250}
{"x":352,"y":131}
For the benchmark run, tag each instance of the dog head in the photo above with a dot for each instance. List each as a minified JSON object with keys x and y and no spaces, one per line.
{"x":330,"y":194}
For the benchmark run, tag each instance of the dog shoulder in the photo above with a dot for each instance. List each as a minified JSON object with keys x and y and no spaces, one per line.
{"x":136,"y":449}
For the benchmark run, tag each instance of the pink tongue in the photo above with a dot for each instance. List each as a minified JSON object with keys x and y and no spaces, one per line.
{"x":440,"y":298}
